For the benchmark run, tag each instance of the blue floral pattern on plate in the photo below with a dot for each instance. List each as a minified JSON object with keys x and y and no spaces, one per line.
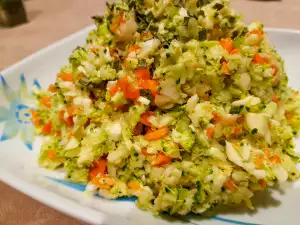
{"x":17,"y":118}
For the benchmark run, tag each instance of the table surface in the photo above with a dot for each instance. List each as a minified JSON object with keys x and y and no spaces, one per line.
{"x":56,"y":19}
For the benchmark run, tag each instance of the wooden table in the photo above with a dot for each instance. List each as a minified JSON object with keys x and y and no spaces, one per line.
{"x":56,"y":19}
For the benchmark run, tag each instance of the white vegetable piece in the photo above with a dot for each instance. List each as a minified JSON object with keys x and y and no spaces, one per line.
{"x":259,"y":121}
{"x":281,"y":174}
{"x":73,"y":143}
{"x":232,"y":154}
{"x":250,"y":100}
{"x":191,"y":103}
{"x":144,"y":100}
{"x":114,"y":131}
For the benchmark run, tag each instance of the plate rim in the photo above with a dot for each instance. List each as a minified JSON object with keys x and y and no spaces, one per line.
{"x":48,"y":197}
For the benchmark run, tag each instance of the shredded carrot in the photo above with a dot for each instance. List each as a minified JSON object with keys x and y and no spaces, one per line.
{"x":225,"y":68}
{"x":275,"y":159}
{"x":262,"y":183}
{"x":289,"y":115}
{"x":52,"y":88}
{"x":230,"y":185}
{"x":47,"y":128}
{"x":134,"y":185}
{"x":51,"y":154}
{"x":80,"y":76}
{"x":158,"y":134}
{"x":148,"y":130}
{"x":267,"y":152}
{"x":113,"y":27}
{"x":236,"y":131}
{"x":144,"y":118}
{"x":120,"y":107}
{"x":146,"y":35}
{"x":205,"y":97}
{"x":143,"y":74}
{"x":94,"y":50}
{"x":66,"y":77}
{"x":113,"y":90}
{"x":134,"y":48}
{"x":259,"y":160}
{"x":259,"y":32}
{"x":275,"y":83}
{"x":276,"y":99}
{"x":240,"y":118}
{"x":69,"y":121}
{"x":58,"y":133}
{"x":226,"y":43}
{"x":257,"y":59}
{"x":161,"y":160}
{"x":46,"y":101}
{"x":72,"y":110}
{"x":216,"y":117}
{"x":275,"y":70}
{"x":104,"y":182}
{"x":210,"y":132}
{"x":131,"y":92}
{"x":35,"y":118}
{"x":151,"y":85}
{"x":69,"y":135}
{"x":121,"y":20}
{"x":235,"y":51}
{"x":145,"y":152}
{"x":61,"y":115}
{"x":100,"y":167}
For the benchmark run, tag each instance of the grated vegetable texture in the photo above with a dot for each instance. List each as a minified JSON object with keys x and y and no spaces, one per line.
{"x":177,"y":102}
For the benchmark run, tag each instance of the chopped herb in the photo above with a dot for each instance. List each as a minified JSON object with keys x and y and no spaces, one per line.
{"x":197,"y":197}
{"x":241,"y":144}
{"x":166,"y":45}
{"x":136,"y":154}
{"x":231,"y":19}
{"x":202,"y":34}
{"x":167,"y":189}
{"x":142,"y":63}
{"x":178,"y":81}
{"x":236,"y":110}
{"x":218,"y":6}
{"x":98,"y":19}
{"x":254,"y":131}
{"x":164,"y":149}
{"x":174,"y":160}
{"x":186,"y":21}
{"x":201,"y":13}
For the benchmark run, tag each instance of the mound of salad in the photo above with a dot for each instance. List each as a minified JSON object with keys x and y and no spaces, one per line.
{"x":176,"y":102}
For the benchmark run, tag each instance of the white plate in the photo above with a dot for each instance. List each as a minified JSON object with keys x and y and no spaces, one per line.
{"x":19,"y":149}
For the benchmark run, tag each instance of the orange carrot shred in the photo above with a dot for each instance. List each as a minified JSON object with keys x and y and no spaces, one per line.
{"x":51,"y":154}
{"x":161,"y":160}
{"x":230,"y":185}
{"x":158,"y":134}
{"x":46,"y":101}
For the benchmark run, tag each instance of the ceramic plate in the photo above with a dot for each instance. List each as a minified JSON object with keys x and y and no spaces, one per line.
{"x":19,"y":149}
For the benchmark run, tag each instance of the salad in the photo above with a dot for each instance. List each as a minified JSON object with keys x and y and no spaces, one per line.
{"x":178,"y":103}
